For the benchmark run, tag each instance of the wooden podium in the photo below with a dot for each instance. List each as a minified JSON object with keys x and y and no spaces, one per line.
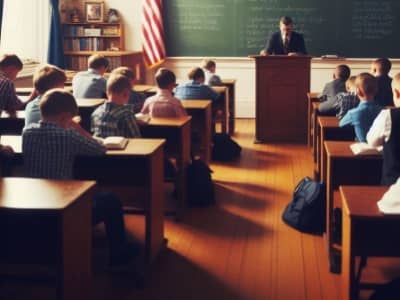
{"x":282,"y":84}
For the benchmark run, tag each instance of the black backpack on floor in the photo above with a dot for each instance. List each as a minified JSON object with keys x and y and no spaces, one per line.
{"x":306,"y":211}
{"x":200,"y":187}
{"x":224,"y":148}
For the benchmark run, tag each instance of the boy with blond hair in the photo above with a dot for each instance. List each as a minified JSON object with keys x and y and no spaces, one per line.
{"x":365,"y":113}
{"x":385,"y":131}
{"x":380,"y":68}
{"x":46,"y":78}
{"x":115,"y":117}
{"x":91,"y":83}
{"x":136,"y":100}
{"x":164,"y":104}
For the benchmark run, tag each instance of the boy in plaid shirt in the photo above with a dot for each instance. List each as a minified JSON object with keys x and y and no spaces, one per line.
{"x":50,"y":147}
{"x":115,"y":117}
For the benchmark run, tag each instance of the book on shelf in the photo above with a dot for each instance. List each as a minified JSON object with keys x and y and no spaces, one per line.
{"x":114,"y":142}
{"x":364,"y":149}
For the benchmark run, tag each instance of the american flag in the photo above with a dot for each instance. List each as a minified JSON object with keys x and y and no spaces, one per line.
{"x":153,"y":33}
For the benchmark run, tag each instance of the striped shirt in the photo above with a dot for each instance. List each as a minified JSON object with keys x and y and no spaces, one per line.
{"x":111,"y":119}
{"x":49,"y":150}
{"x":8,"y":98}
{"x":345,"y":102}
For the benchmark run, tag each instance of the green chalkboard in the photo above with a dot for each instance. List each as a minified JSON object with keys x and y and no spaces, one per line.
{"x":350,"y":28}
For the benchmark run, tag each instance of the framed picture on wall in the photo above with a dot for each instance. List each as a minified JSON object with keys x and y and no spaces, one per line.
{"x":94,"y":11}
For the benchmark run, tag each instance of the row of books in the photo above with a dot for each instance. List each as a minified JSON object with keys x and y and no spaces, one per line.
{"x":79,"y":62}
{"x":82,"y":44}
{"x":83,"y":30}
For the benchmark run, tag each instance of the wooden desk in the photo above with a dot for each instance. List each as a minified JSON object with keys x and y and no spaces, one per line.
{"x":66,"y":206}
{"x":141,"y":164}
{"x":176,"y":131}
{"x":329,"y":130}
{"x":311,"y":98}
{"x":14,"y":126}
{"x":143,"y":88}
{"x":230,"y":84}
{"x":345,"y":168}
{"x":314,"y":129}
{"x":28,"y":90}
{"x":200,"y":111}
{"x":366,"y":232}
{"x":222,"y":105}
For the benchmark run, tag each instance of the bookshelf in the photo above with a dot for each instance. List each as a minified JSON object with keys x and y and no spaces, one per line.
{"x":84,"y":39}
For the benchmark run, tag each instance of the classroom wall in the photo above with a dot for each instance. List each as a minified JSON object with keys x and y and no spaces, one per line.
{"x":241,"y":69}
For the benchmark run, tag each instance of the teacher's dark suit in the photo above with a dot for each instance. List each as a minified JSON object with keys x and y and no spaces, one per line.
{"x":296,"y":44}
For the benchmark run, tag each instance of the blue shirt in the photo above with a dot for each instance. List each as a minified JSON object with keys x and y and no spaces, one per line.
{"x":361,"y":118}
{"x":89,"y":84}
{"x":195,"y":90}
{"x":32,"y":112}
{"x":49,"y":150}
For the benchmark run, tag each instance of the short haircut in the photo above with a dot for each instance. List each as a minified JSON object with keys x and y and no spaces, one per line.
{"x":384,"y":65}
{"x":57,"y":101}
{"x":286,"y":20}
{"x":208,"y":64}
{"x":367,"y":83}
{"x":48,"y":77}
{"x":125,"y":71}
{"x":7,"y":60}
{"x":396,"y":82}
{"x":350,"y":83}
{"x":117,"y":83}
{"x":164,"y":78}
{"x":196,"y":73}
{"x":343,"y":72}
{"x":96,"y":61}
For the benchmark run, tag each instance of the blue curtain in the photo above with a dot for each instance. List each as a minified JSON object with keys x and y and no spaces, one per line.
{"x":55,"y":54}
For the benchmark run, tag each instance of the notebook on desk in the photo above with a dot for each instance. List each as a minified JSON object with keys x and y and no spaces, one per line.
{"x":364,"y":149}
{"x":114,"y":142}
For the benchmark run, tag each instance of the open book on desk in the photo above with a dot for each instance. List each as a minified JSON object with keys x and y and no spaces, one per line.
{"x":143,"y":118}
{"x":114,"y":142}
{"x":365,"y":149}
{"x":390,"y":202}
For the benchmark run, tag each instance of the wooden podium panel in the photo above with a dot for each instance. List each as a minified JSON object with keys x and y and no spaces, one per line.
{"x":282,"y":84}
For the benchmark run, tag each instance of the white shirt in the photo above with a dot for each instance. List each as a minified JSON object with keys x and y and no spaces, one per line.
{"x":379,"y":132}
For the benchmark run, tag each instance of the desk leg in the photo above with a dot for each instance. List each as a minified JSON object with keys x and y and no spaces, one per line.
{"x":349,"y":285}
{"x":154,"y":231}
{"x":184,"y":159}
{"x":74,"y":273}
{"x":206,"y":136}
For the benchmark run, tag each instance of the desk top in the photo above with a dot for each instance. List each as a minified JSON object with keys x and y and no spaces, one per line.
{"x":312,"y":95}
{"x":196,"y":103}
{"x":360,"y":201}
{"x":89,"y":102}
{"x":168,"y":122}
{"x":342,"y":149}
{"x":40,"y":194}
{"x":135,"y":147}
{"x":328,"y":121}
{"x":28,"y":90}
{"x":228,"y":81}
{"x":141,"y":88}
{"x":219,"y":89}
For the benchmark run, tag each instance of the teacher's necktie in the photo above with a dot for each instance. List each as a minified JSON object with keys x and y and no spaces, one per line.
{"x":286,"y":43}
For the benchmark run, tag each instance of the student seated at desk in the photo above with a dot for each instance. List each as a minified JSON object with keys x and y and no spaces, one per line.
{"x":46,"y":78}
{"x":50,"y":148}
{"x":114,"y":117}
{"x":164,"y":104}
{"x":196,"y":89}
{"x":91,"y":83}
{"x":386,"y":131}
{"x":380,"y":69}
{"x":136,"y":99}
{"x":10,"y":66}
{"x":348,"y":100}
{"x":365,"y":113}
{"x":209,"y":67}
{"x":331,"y":89}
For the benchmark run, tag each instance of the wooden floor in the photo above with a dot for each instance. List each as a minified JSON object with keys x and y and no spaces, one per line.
{"x":239,"y":248}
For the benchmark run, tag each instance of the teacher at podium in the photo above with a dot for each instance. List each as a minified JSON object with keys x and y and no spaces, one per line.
{"x":286,"y":41}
